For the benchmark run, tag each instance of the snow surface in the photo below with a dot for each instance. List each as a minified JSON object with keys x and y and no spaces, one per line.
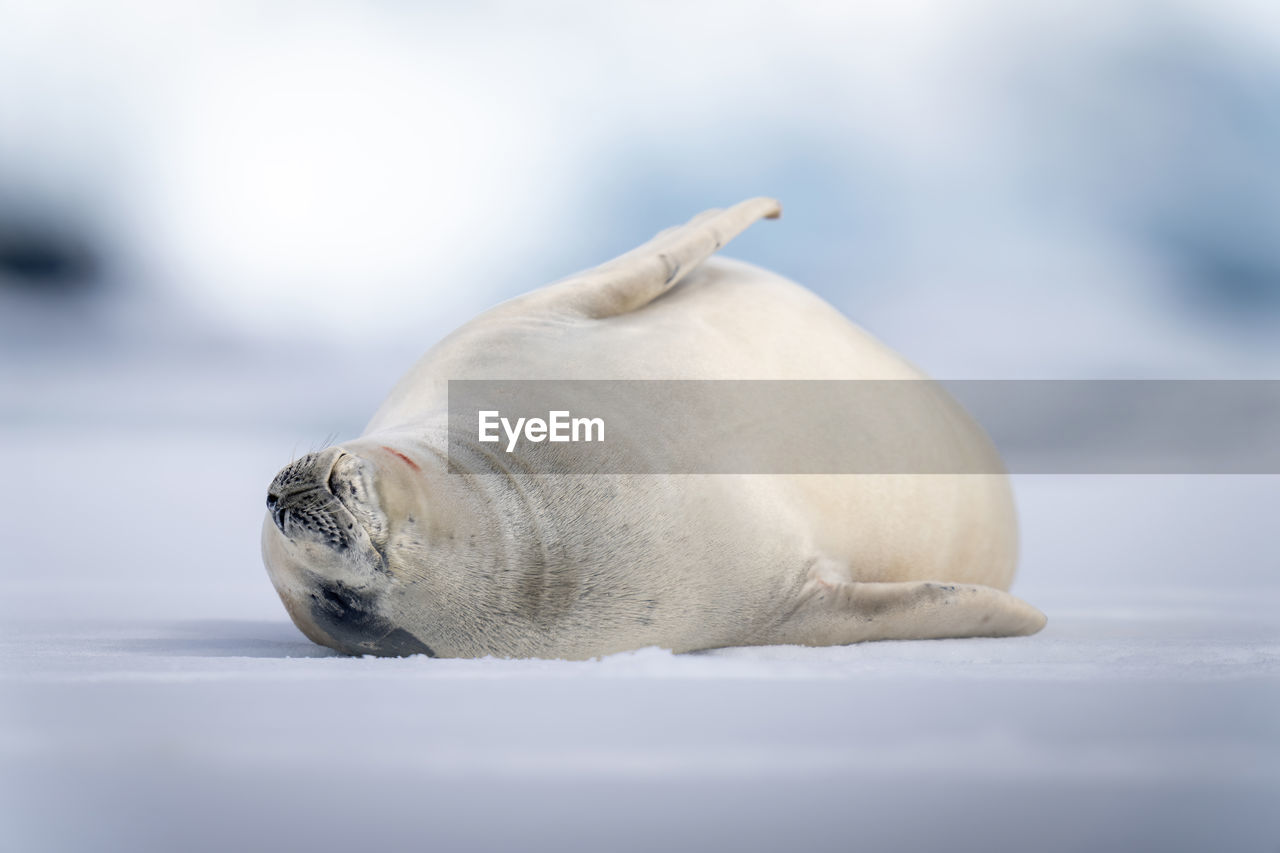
{"x":155,"y":696}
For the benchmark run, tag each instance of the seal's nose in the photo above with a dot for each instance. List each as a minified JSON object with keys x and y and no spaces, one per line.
{"x":277,"y":511}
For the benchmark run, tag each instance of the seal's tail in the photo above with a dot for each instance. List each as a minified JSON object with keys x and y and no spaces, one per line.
{"x":635,"y":279}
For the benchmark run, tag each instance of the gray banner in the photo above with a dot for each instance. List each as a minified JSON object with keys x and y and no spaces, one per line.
{"x":865,"y":427}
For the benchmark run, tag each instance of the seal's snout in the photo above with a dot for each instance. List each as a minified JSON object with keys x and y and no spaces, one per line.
{"x":301,"y":502}
{"x":324,"y":550}
{"x":330,"y":499}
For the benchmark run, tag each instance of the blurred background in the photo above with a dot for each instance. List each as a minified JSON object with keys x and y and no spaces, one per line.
{"x":243,"y":221}
{"x":998,"y":188}
{"x":227,"y":228}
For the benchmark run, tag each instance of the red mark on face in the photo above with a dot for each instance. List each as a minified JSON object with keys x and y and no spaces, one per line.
{"x":407,"y":460}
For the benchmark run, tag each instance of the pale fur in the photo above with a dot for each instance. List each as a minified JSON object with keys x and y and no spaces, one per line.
{"x":575,"y":567}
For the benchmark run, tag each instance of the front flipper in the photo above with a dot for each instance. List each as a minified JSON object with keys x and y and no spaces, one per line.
{"x":636,"y":278}
{"x":835,"y":612}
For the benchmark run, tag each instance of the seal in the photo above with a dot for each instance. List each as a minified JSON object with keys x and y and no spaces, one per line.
{"x":377,"y":547}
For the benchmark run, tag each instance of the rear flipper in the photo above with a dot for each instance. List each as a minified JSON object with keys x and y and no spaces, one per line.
{"x":835,"y":612}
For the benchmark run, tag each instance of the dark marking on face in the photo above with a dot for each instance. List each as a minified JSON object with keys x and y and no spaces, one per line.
{"x":407,"y":460}
{"x":400,"y":643}
{"x":351,"y":619}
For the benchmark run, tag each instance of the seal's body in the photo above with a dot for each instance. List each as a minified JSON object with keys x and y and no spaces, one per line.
{"x":376,"y":548}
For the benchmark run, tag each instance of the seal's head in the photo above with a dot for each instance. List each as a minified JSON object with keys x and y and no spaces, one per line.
{"x":325,"y":544}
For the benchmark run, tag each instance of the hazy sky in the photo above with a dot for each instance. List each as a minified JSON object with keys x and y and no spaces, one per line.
{"x":998,"y":190}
